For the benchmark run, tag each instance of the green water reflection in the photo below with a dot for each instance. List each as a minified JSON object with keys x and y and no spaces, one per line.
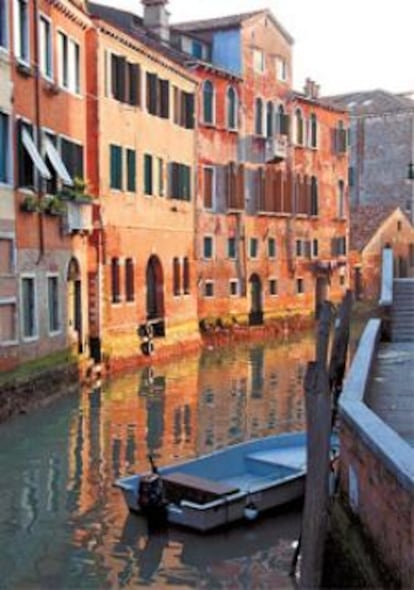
{"x":63,"y":525}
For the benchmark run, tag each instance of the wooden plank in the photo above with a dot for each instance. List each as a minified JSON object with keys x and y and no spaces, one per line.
{"x":201,"y":484}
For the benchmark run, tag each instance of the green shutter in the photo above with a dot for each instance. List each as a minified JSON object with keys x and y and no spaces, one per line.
{"x":148,"y":174}
{"x":131,"y":171}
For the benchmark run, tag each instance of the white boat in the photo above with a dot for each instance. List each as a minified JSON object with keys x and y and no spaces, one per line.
{"x":240,"y":481}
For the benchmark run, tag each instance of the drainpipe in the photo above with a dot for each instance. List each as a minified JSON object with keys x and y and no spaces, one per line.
{"x":37,"y":123}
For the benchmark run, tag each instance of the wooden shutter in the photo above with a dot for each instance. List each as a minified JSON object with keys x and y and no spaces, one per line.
{"x":189,"y":110}
{"x":284,"y":124}
{"x":121,"y":66}
{"x":164,"y":91}
{"x":134,"y":86}
{"x":240,"y":187}
{"x":152,"y":93}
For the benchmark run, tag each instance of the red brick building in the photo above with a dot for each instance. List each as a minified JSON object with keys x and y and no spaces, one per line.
{"x":47,"y":49}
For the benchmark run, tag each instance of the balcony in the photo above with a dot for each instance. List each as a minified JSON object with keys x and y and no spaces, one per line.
{"x":276,"y":149}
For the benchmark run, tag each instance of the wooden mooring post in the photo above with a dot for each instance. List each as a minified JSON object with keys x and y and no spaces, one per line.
{"x":322,"y":386}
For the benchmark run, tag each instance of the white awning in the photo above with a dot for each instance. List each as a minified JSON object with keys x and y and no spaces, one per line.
{"x":58,"y":163}
{"x":34,"y":154}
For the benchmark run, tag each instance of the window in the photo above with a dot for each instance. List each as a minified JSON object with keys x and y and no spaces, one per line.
{"x":351,"y":176}
{"x":399,"y":225}
{"x":183,"y":108}
{"x":253,"y":247}
{"x":282,"y":122}
{"x":300,"y":286}
{"x":4,"y":41}
{"x":209,"y":289}
{"x":180,"y":181}
{"x":269,"y":119}
{"x":28,"y":304}
{"x":313,"y":139}
{"x":339,"y":247}
{"x":258,"y":117}
{"x":315,"y":248}
{"x":53,"y":303}
{"x":176,"y":276}
{"x":208,"y":102}
{"x":208,"y":187}
{"x":25,"y":161}
{"x":231,"y":248}
{"x":186,"y":276}
{"x":115,"y":167}
{"x":148,"y":188}
{"x":197,"y":49}
{"x":232,"y":108}
{"x":115,"y":280}
{"x":158,"y":96}
{"x":303,"y":248}
{"x":160,"y":177}
{"x":258,"y":61}
{"x":21,"y":30}
{"x":129,"y":280}
{"x":314,"y":205}
{"x":233,"y":287}
{"x":45,"y":46}
{"x":72,"y":156}
{"x":131,"y":159}
{"x":341,"y":139}
{"x":299,"y":127}
{"x":273,"y":287}
{"x":281,"y":69}
{"x":208,"y":247}
{"x":411,"y":254}
{"x":271,"y":248}
{"x":341,"y":199}
{"x":125,"y":80}
{"x":8,"y":333}
{"x":68,"y":63}
{"x":6,"y":255}
{"x":5,"y":148}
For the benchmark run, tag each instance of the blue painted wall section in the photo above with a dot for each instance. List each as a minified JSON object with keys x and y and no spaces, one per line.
{"x":227,"y":50}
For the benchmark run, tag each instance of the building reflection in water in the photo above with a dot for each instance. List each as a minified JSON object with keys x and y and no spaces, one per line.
{"x":174,"y":412}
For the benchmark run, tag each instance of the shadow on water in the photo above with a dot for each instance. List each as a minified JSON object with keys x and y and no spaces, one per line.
{"x":64,"y":526}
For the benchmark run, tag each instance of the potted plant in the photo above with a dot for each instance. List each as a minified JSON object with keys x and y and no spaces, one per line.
{"x":55,"y":206}
{"x":76,"y":193}
{"x":29,"y":204}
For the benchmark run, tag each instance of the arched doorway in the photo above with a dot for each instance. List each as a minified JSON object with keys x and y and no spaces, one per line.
{"x":75,"y":303}
{"x":256,"y":308}
{"x":155,"y":295}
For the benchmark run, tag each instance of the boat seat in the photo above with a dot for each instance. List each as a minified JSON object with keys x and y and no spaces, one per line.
{"x":183,"y":486}
{"x":292,"y":457}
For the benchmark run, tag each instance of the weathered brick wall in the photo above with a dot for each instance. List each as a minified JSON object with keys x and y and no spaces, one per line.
{"x":383,"y":505}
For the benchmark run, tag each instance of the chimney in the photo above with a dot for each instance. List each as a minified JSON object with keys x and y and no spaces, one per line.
{"x":311,"y":89}
{"x":156,"y":18}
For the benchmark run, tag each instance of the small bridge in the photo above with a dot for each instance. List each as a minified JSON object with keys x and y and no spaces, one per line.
{"x":377,"y":429}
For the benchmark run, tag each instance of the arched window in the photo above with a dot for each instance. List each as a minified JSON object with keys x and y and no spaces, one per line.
{"x":314,"y":207}
{"x":341,"y":199}
{"x":208,"y":102}
{"x":269,"y":119}
{"x":232,"y":108}
{"x":259,"y":117}
{"x":313,"y":131}
{"x":299,"y":127}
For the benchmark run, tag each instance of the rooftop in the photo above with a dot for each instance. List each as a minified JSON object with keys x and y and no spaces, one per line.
{"x":372,"y":102}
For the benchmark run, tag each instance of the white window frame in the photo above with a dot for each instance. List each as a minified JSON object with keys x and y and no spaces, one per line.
{"x":5,"y":32}
{"x":35,"y":309}
{"x":212,"y":283}
{"x":71,"y":44}
{"x":211,"y":123}
{"x":213,"y":247}
{"x":10,"y":301}
{"x":281,"y":66}
{"x":214,"y":193}
{"x":9,"y":151}
{"x":12,"y":238}
{"x":236,"y":108}
{"x":54,"y":275}
{"x":17,"y":38}
{"x":258,"y":60}
{"x":43,"y":45}
{"x":237,"y":283}
{"x":228,"y":249}
{"x":314,"y":251}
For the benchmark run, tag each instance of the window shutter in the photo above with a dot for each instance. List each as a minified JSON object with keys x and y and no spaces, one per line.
{"x":284,"y":124}
{"x":189,"y":110}
{"x":121,"y":78}
{"x":152,"y":93}
{"x":165,"y":99}
{"x":240,"y":187}
{"x":134,"y":84}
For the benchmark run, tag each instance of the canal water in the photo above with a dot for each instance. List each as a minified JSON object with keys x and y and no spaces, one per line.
{"x":62,"y":523}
